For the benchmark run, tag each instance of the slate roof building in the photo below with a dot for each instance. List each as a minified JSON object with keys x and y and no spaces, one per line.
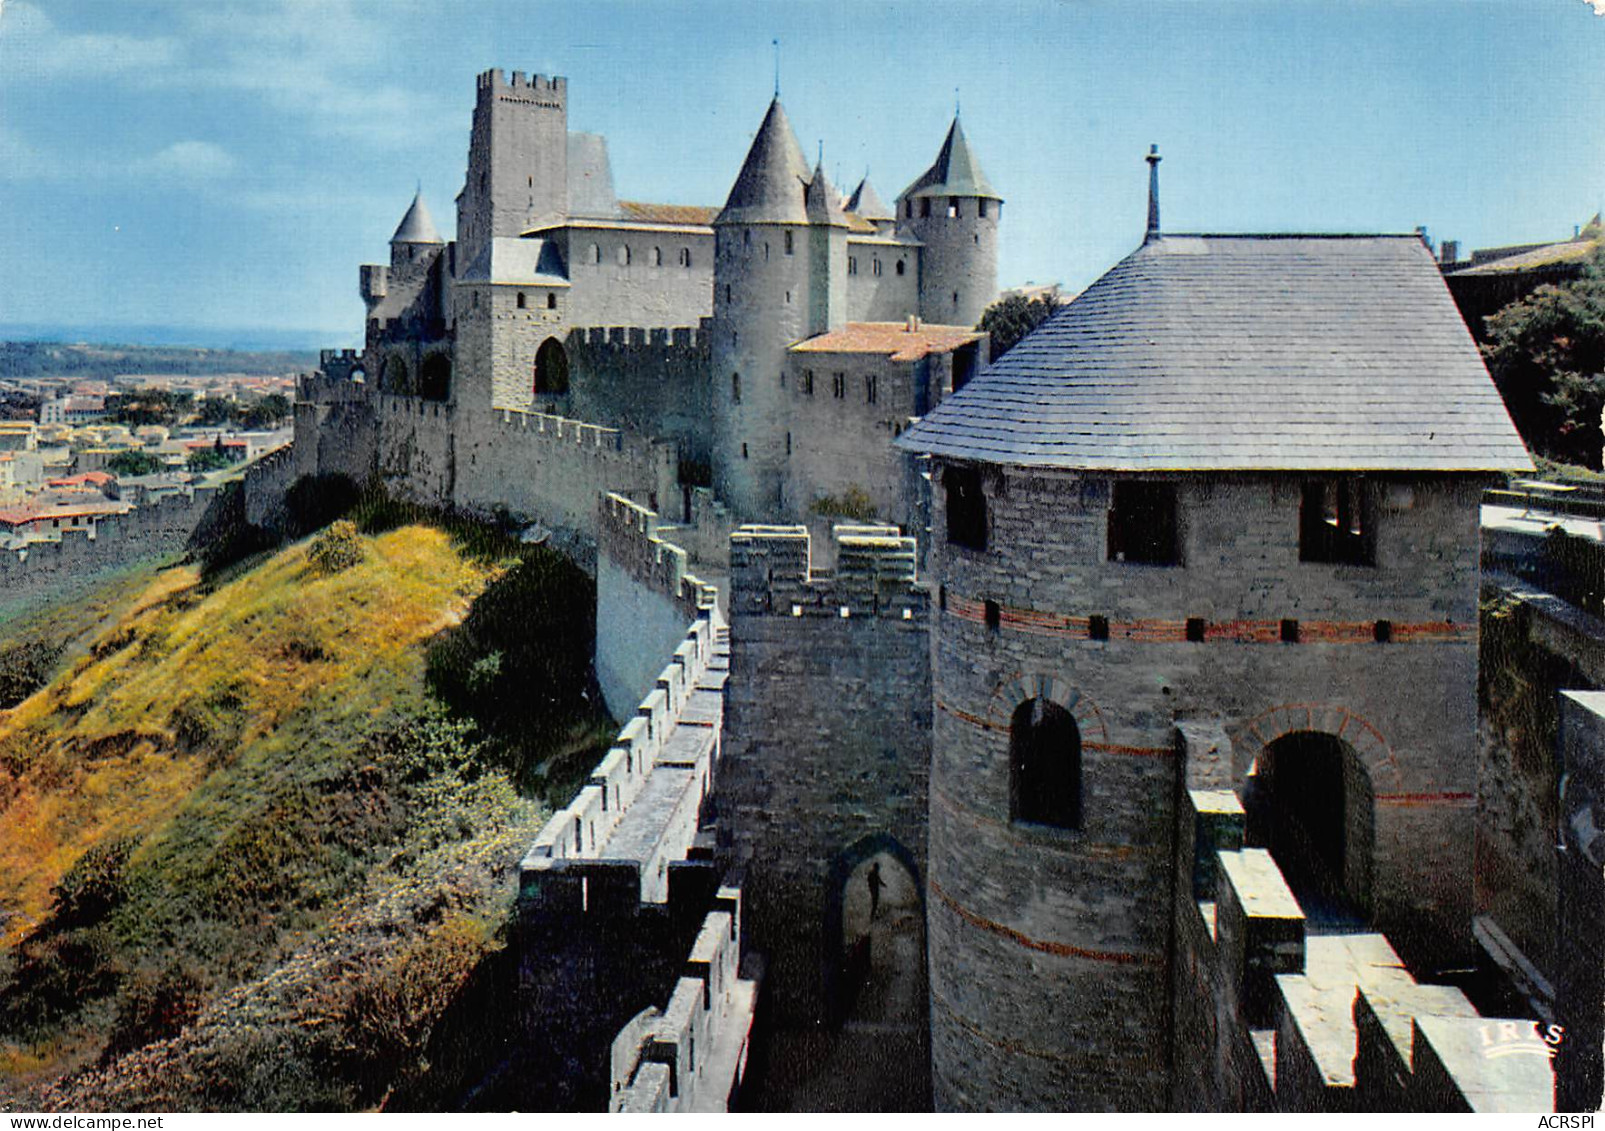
{"x":1231,"y":492}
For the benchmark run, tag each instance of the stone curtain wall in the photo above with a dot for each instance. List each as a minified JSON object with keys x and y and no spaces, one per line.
{"x":828,"y":712}
{"x":49,"y":569}
{"x":645,"y":601}
{"x":650,"y":381}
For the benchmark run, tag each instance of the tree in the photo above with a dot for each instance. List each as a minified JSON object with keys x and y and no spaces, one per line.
{"x":1547,"y":356}
{"x":208,"y":459}
{"x":1014,"y":316}
{"x":267,"y":412}
{"x":134,"y":463}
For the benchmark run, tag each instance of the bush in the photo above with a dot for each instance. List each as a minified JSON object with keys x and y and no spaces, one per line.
{"x":93,"y":885}
{"x":25,"y":667}
{"x":339,"y":547}
{"x":853,"y":503}
{"x":153,"y":1007}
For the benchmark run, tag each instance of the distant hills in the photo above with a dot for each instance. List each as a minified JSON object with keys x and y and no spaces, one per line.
{"x":21,"y":360}
{"x":242,"y":339}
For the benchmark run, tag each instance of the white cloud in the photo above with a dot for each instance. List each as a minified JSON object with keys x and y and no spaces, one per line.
{"x":33,"y":48}
{"x":1597,"y":5}
{"x":187,"y":161}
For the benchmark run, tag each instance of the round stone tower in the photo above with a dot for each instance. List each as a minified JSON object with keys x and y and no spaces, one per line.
{"x":953,"y":210}
{"x":776,"y":281}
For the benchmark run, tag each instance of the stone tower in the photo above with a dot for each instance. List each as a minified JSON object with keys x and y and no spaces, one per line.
{"x":779,"y":267}
{"x":953,"y":210}
{"x":517,"y":159}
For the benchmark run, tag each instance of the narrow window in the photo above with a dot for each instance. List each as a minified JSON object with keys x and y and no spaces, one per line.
{"x":788,"y":243}
{"x":1383,"y":632}
{"x":925,"y":207}
{"x":875,"y":267}
{"x":1195,"y":630}
{"x":727,"y":292}
{"x":870,"y":390}
{"x":838,"y":385}
{"x":743,"y":451}
{"x":551,"y":300}
{"x":1335,"y":523}
{"x":521,"y":300}
{"x":1290,"y":632}
{"x":966,"y":507}
{"x":899,"y":266}
{"x":624,"y":255}
{"x":766,"y":250}
{"x":808,"y":382}
{"x":735,"y":387}
{"x":746,"y":239}
{"x":1044,"y":766}
{"x":685,"y":257}
{"x":1097,"y":628}
{"x":852,"y":265}
{"x":980,"y":208}
{"x":908,"y":210}
{"x":1142,"y":524}
{"x":594,"y":255}
{"x":993,"y":615}
{"x":657,"y":257}
{"x":788,"y":443}
{"x":952,"y":208}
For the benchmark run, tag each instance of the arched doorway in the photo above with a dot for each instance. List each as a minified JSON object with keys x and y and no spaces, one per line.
{"x":1311,"y":803}
{"x":434,"y":377}
{"x":396,"y":378}
{"x":551,"y":369}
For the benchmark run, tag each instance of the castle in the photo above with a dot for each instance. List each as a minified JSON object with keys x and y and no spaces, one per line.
{"x":1122,"y":752}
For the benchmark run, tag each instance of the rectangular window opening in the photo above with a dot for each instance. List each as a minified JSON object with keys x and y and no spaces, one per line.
{"x":1097,"y":628}
{"x":1335,"y":523}
{"x":1383,"y":632}
{"x":1142,"y":523}
{"x":1290,"y":632}
{"x":994,"y":615}
{"x":1195,"y":630}
{"x":966,"y":507}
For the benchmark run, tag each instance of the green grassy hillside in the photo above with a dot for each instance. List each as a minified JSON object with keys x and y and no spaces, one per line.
{"x":246,"y":856}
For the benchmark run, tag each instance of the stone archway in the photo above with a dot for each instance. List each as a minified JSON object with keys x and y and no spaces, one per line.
{"x":1310,"y":800}
{"x":551,"y":369}
{"x":396,"y":377}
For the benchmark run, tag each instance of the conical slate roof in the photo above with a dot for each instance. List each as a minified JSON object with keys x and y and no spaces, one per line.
{"x":416,"y":226}
{"x":821,"y":202}
{"x":769,"y":188}
{"x":955,"y":173}
{"x":866,"y":203}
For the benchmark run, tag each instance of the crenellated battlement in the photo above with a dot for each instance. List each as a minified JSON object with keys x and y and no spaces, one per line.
{"x":1275,"y":1015}
{"x":641,"y":808}
{"x":628,"y":533}
{"x":655,"y":337}
{"x":497,"y":79}
{"x":771,"y":572}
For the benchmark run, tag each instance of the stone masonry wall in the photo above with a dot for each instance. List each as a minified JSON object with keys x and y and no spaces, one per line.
{"x":650,"y":381}
{"x":828,"y":716}
{"x":1057,"y":940}
{"x":645,"y":601}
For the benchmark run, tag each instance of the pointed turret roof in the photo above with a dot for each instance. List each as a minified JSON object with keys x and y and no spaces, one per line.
{"x":822,"y":203}
{"x":769,"y":188}
{"x":416,"y":226}
{"x":866,"y":203}
{"x":955,"y":173}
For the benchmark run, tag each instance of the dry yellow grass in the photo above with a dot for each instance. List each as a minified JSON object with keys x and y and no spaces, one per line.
{"x":189,"y":680}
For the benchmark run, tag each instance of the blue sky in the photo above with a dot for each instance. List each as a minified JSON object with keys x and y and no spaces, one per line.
{"x":214,"y":163}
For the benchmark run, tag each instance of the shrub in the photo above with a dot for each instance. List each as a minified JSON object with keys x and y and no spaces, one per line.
{"x":25,"y":667}
{"x":153,"y":1007}
{"x":134,"y":463}
{"x":93,"y":885}
{"x":338,"y":547}
{"x":853,"y":503}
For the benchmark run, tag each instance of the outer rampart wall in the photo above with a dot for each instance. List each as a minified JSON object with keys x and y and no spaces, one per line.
{"x":828,"y":711}
{"x":645,"y":601}
{"x":47,"y":569}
